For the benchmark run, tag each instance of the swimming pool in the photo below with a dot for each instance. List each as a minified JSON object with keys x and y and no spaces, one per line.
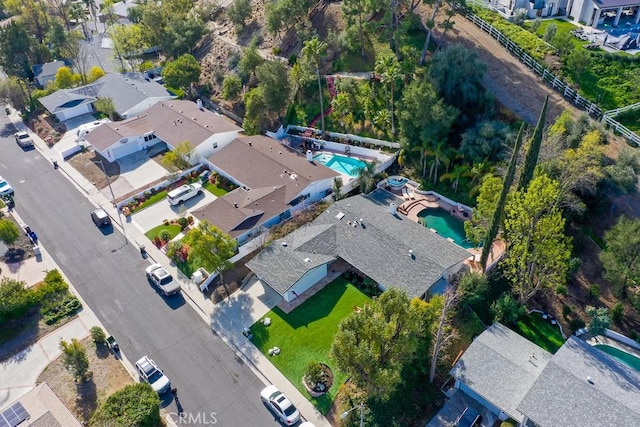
{"x":622,"y":356}
{"x":446,"y":225}
{"x":341,"y":164}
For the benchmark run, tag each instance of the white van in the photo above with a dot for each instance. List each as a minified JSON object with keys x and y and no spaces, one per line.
{"x":183,"y":193}
{"x":88,"y":127}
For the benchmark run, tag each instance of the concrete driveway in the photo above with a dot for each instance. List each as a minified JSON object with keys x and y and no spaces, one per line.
{"x":137,"y":172}
{"x":153,"y":216}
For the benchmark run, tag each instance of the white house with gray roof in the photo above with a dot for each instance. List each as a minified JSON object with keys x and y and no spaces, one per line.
{"x":578,"y":386}
{"x":365,"y":232}
{"x":131,"y":94}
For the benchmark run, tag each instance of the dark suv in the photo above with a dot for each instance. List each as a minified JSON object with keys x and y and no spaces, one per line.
{"x":100,"y":217}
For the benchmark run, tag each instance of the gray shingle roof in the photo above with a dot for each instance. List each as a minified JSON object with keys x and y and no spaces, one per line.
{"x":498,"y":365}
{"x":379,"y":247}
{"x":562,"y":395}
{"x":49,"y":69}
{"x":125,"y":90}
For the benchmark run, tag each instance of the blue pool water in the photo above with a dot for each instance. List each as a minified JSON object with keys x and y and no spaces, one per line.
{"x":341,"y":164}
{"x":624,"y":357}
{"x":446,"y":226}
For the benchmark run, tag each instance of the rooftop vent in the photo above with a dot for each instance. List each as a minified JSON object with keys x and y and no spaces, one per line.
{"x":284,"y":244}
{"x":309,"y":156}
{"x":340,"y":216}
{"x":250,"y":144}
{"x":235,"y":204}
{"x":589,"y":380}
{"x":199,"y":104}
{"x":393,"y":208}
{"x":307,"y":259}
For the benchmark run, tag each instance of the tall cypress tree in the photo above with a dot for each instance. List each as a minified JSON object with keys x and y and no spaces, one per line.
{"x":531,"y":160}
{"x":502,"y":200}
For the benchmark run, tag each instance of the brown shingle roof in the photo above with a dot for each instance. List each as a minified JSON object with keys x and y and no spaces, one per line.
{"x":240,"y":210}
{"x":172,"y":121}
{"x":258,"y":161}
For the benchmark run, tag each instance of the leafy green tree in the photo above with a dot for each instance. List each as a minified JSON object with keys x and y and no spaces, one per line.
{"x":15,"y":299}
{"x":485,"y":141}
{"x":107,"y":8}
{"x":182,"y":72}
{"x":74,"y":357}
{"x":314,"y":50}
{"x":180,"y":157}
{"x":65,"y":78}
{"x":337,"y":187}
{"x":97,"y":335}
{"x":538,"y":252}
{"x":456,"y":73}
{"x":389,"y":70}
{"x":355,"y":13}
{"x":255,"y":117}
{"x":250,"y":60}
{"x":578,"y":61}
{"x":106,"y":107}
{"x":531,"y":159}
{"x":15,"y":48}
{"x":34,"y":16}
{"x":624,"y":173}
{"x":366,"y":177}
{"x":231,"y":87}
{"x":57,"y":38}
{"x":506,"y":309}
{"x":273,"y":77}
{"x":9,"y":232}
{"x":550,"y":32}
{"x":373,"y":345}
{"x":239,"y":11}
{"x":473,"y":288}
{"x":621,"y":256}
{"x":285,"y":14}
{"x":563,"y":42}
{"x":498,"y":213}
{"x":13,"y":92}
{"x":181,"y":35}
{"x":455,"y":176}
{"x":444,"y":332}
{"x":477,"y":228}
{"x":128,"y":42}
{"x":134,"y":405}
{"x":94,"y":74}
{"x":209,"y":247}
{"x":600,"y":320}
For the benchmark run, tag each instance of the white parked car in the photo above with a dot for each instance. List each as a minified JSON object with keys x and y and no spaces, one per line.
{"x":162,"y":279}
{"x":83,"y":130}
{"x":150,"y":373}
{"x":5,"y":188}
{"x":280,"y":405}
{"x":24,"y":139}
{"x":184,"y":193}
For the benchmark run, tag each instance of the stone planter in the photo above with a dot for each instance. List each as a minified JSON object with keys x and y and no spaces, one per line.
{"x":320,"y":388}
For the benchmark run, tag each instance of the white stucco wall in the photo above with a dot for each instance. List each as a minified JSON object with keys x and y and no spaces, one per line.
{"x":305,"y":282}
{"x":581,"y":11}
{"x":144,"y":106}
{"x":212,"y":145}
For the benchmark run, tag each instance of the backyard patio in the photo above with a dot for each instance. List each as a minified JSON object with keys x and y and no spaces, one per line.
{"x":306,"y":335}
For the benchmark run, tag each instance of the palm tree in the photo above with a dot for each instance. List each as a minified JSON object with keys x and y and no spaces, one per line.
{"x":314,"y":50}
{"x":366,"y":175}
{"x":441,"y":154}
{"x":455,"y":175}
{"x":341,"y":105}
{"x":337,"y":186}
{"x":389,"y":70}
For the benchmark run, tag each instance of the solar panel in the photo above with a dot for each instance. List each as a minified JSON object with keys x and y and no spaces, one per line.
{"x":14,"y":415}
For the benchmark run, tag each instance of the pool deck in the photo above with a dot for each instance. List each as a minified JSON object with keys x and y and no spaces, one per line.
{"x":413,"y":206}
{"x":604,"y":340}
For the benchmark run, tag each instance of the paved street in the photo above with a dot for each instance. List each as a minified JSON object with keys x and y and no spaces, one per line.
{"x":109,"y":275}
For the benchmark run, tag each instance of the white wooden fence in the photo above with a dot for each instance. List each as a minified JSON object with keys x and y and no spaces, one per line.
{"x":556,"y":83}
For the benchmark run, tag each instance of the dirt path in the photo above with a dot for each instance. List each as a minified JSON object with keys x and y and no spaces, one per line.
{"x":513,"y":84}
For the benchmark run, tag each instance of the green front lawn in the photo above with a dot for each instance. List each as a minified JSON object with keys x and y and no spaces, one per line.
{"x":540,"y":331}
{"x":306,"y":335}
{"x":151,"y":200}
{"x":173,"y":229}
{"x":214,"y":189}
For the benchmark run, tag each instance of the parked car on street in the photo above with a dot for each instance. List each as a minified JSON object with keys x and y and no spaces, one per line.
{"x":162,"y":279}
{"x":24,"y":139}
{"x":280,"y":405}
{"x":184,"y":193}
{"x":150,"y":373}
{"x":5,"y":188}
{"x":100,"y":217}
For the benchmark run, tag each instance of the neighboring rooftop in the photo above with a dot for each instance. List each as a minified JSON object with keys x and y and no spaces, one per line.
{"x":390,"y":249}
{"x":501,"y":366}
{"x":49,"y":69}
{"x":172,"y":121}
{"x":583,"y":386}
{"x":260,"y":162}
{"x":41,"y":407}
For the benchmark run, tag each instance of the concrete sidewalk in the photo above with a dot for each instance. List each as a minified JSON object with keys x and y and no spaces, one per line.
{"x":227,"y":319}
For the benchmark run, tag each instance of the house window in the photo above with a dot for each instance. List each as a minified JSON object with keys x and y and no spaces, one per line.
{"x":215,"y":145}
{"x":149,"y":137}
{"x":284,"y":215}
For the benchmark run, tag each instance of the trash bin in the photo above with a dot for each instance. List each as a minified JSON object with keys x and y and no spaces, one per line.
{"x":204,"y":176}
{"x":36,"y":250}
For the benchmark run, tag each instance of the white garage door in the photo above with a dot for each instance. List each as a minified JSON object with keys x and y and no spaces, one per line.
{"x":120,"y":150}
{"x":69,"y":113}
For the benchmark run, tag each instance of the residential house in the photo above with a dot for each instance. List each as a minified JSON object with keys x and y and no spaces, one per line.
{"x":274,"y":181}
{"x":368,"y":234}
{"x":119,"y":10}
{"x":39,"y":407}
{"x":170,"y":123}
{"x":579,"y":385}
{"x":131,"y":94}
{"x":45,"y":73}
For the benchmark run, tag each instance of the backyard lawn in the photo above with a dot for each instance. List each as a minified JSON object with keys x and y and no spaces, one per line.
{"x":215,"y":190}
{"x":540,"y":331}
{"x":306,"y":335}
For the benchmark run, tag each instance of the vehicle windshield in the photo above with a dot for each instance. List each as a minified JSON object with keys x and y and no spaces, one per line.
{"x":155,"y":376}
{"x":165,"y":280}
{"x":23,"y":136}
{"x":290,"y":410}
{"x":3,"y":184}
